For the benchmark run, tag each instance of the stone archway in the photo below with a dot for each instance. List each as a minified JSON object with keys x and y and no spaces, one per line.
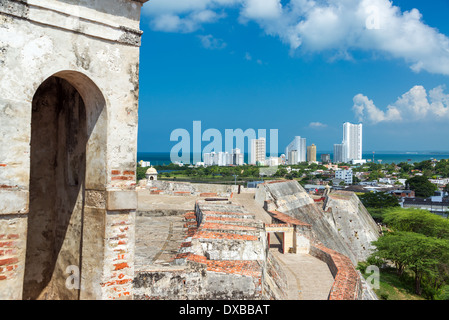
{"x":67,"y":162}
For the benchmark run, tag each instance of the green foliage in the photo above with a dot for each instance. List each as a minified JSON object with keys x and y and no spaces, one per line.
{"x":419,"y":243}
{"x":140,"y":173}
{"x":379,"y":200}
{"x":425,"y":256}
{"x":422,"y":186}
{"x":419,"y":221}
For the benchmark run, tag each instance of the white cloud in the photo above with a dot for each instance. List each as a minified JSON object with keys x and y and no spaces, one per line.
{"x":184,"y":16}
{"x":209,"y":42}
{"x":413,"y":106}
{"x":257,"y":9}
{"x":317,"y":125}
{"x":310,"y":26}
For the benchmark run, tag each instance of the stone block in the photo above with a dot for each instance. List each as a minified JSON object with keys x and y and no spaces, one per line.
{"x":122,"y":200}
{"x":13,"y":201}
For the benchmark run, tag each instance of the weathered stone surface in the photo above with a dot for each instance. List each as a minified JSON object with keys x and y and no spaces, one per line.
{"x":353,"y":222}
{"x":80,"y":95}
{"x":344,"y":225}
{"x":13,"y":202}
{"x":121,"y":200}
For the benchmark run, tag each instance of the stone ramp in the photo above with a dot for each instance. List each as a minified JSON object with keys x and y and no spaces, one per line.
{"x":308,"y":277}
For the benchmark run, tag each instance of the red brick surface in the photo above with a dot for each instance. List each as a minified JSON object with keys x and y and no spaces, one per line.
{"x":9,"y":259}
{"x":246,"y":268}
{"x":346,"y":284}
{"x":288,"y":219}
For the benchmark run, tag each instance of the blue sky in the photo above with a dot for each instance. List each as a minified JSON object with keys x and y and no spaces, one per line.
{"x":298,"y":66}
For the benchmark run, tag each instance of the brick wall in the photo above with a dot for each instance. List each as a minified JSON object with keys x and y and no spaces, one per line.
{"x":123,"y":178}
{"x":119,"y":254}
{"x":12,"y":256}
{"x":8,"y":255}
{"x":347,"y":283}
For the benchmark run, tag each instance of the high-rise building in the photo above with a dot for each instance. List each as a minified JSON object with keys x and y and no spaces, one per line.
{"x":311,"y":153}
{"x":292,"y":157}
{"x":222,"y":159}
{"x":338,"y":153}
{"x":325,"y":158}
{"x":237,"y":157}
{"x":299,"y":145}
{"x":258,"y":151}
{"x":352,"y":141}
{"x":210,"y":159}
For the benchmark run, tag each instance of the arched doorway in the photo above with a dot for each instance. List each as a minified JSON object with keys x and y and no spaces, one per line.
{"x":67,"y":158}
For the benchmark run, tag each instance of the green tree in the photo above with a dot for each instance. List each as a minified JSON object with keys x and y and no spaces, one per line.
{"x":422,"y":186}
{"x":419,"y":221}
{"x":379,"y":200}
{"x":140,"y":173}
{"x":423,"y":255}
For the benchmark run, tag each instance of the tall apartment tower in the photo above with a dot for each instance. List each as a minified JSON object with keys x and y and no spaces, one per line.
{"x":311,"y":153}
{"x":352,"y":142}
{"x":299,"y":145}
{"x":258,"y":151}
{"x":338,"y":153}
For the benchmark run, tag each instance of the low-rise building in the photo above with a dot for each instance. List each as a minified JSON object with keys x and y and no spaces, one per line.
{"x":438,"y":206}
{"x":345,"y":175}
{"x":403,"y":193}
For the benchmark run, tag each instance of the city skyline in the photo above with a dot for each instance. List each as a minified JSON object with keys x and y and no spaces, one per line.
{"x":236,"y":63}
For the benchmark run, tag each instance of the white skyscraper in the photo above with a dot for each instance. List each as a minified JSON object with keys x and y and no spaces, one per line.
{"x":237,"y":157}
{"x":222,"y":159}
{"x":258,"y":151}
{"x":299,"y":145}
{"x":352,"y":142}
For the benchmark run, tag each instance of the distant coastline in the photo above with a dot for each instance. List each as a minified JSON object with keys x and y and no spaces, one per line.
{"x":163,"y":158}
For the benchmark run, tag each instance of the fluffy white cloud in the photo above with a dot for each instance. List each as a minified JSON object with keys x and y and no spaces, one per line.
{"x":257,"y":9}
{"x":184,"y":16}
{"x":317,"y":125}
{"x":414,"y":105}
{"x":339,"y":26}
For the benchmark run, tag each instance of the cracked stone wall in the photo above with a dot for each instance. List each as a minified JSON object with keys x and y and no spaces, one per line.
{"x":353,"y":222}
{"x":344,"y":225}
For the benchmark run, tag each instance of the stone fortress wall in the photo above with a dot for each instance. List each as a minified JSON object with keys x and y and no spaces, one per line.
{"x":224,"y":244}
{"x":338,"y":233}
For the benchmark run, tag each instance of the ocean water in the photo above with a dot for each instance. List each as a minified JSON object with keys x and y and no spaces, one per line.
{"x":163,"y":158}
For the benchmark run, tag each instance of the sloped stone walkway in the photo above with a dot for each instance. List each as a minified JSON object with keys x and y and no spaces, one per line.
{"x":309,"y":277}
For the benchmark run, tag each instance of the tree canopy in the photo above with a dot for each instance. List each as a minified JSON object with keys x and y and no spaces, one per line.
{"x":379,"y":200}
{"x":422,"y":186}
{"x":419,"y":221}
{"x":419,"y":242}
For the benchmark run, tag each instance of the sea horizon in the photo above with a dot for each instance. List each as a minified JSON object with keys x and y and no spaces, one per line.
{"x":163,"y":158}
